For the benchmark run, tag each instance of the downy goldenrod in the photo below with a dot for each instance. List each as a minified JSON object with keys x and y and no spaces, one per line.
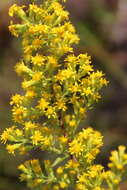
{"x":59,"y":88}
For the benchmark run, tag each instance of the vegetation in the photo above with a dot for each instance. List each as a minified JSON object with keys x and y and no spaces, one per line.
{"x":59,"y":88}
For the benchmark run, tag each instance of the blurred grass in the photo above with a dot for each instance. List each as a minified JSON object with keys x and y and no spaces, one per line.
{"x":95,"y":46}
{"x":108,"y":116}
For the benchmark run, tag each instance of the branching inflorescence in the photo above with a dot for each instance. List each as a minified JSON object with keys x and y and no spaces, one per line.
{"x":59,"y":88}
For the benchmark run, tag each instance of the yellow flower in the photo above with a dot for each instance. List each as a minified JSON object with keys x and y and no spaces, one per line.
{"x":13,"y":30}
{"x":97,"y":188}
{"x":74,"y":88}
{"x":53,"y":61}
{"x":82,"y":178}
{"x":37,"y":138}
{"x":57,"y":6}
{"x":6,"y":135}
{"x":19,"y":113}
{"x":72,"y":123}
{"x":95,"y":170}
{"x":75,"y":148}
{"x":15,"y":9}
{"x":71,"y":58}
{"x":80,"y":186}
{"x":56,"y":187}
{"x":47,"y":141}
{"x":82,"y":111}
{"x":38,"y":60}
{"x":29,"y":125}
{"x":38,"y":11}
{"x":61,"y":105}
{"x":19,"y":132}
{"x":63,"y":139}
{"x":21,"y":68}
{"x":16,"y":99}
{"x":88,"y":91}
{"x":11,"y":148}
{"x":37,"y":76}
{"x":36,"y":182}
{"x":50,"y":112}
{"x":65,"y":74}
{"x":63,"y":184}
{"x":22,"y":167}
{"x":37,"y":43}
{"x":119,"y":166}
{"x":72,"y":164}
{"x":38,"y":29}
{"x":58,"y":86}
{"x":59,"y":170}
{"x":42,"y":104}
{"x":36,"y":166}
{"x":116,"y":181}
{"x":30,"y":94}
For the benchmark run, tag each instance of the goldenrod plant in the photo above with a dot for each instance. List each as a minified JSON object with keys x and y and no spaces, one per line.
{"x":59,"y":88}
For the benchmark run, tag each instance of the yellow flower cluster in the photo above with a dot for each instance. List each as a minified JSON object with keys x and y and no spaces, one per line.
{"x":85,"y":145}
{"x":27,"y":168}
{"x":118,"y":159}
{"x":59,"y":88}
{"x":57,"y":92}
{"x":117,"y":167}
{"x":92,"y":179}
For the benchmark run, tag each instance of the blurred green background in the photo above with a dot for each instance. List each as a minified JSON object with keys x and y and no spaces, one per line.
{"x":102,"y":27}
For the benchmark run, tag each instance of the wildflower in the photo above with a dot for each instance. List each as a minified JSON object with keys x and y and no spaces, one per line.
{"x":38,"y":29}
{"x":72,"y":164}
{"x":60,"y":104}
{"x":35,"y":9}
{"x":65,"y":74}
{"x":58,"y":87}
{"x":16,"y":99}
{"x":63,"y":139}
{"x":38,"y":60}
{"x":87,"y":91}
{"x":29,"y":125}
{"x":82,"y":111}
{"x":30,"y":94}
{"x":75,"y":148}
{"x":80,"y":186}
{"x":19,"y":113}
{"x":50,"y":112}
{"x":36,"y":182}
{"x":13,"y":30}
{"x":11,"y":148}
{"x":56,"y":187}
{"x":22,"y":167}
{"x":21,"y":68}
{"x":47,"y":141}
{"x":63,"y":184}
{"x":19,"y":133}
{"x":37,"y":76}
{"x":6,"y":135}
{"x":36,"y":166}
{"x":53,"y":61}
{"x":42,"y":104}
{"x":59,"y":170}
{"x":37,"y":43}
{"x":74,"y":88}
{"x":82,"y":178}
{"x":14,"y":9}
{"x":72,"y":123}
{"x":37,"y":138}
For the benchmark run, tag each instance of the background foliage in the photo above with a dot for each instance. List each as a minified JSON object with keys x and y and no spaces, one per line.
{"x":102,"y":27}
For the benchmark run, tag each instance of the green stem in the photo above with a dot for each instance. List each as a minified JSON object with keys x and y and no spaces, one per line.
{"x":59,"y":160}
